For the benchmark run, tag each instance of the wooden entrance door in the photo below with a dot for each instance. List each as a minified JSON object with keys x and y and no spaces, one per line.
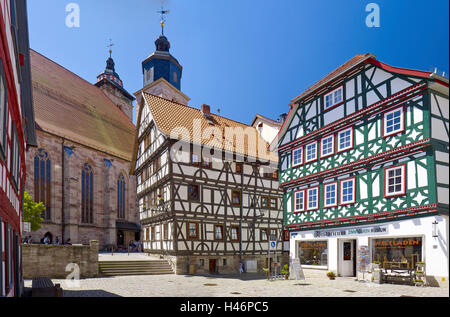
{"x":347,"y":257}
{"x":212,"y":266}
{"x":120,"y":238}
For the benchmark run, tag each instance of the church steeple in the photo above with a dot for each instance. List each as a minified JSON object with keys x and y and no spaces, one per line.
{"x":110,"y":71}
{"x":161,"y":64}
{"x":111,"y":84}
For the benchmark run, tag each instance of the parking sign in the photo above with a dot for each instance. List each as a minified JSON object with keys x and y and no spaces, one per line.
{"x":272,"y":245}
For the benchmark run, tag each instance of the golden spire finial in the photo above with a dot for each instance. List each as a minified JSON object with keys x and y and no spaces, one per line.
{"x":163,"y":18}
{"x":110,"y":47}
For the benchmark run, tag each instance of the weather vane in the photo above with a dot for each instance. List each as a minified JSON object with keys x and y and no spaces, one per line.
{"x":110,"y":47}
{"x":163,"y":18}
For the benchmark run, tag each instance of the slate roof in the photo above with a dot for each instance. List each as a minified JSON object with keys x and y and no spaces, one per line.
{"x":68,"y":106}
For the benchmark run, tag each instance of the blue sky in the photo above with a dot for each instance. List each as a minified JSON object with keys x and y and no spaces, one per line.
{"x":242,"y":56}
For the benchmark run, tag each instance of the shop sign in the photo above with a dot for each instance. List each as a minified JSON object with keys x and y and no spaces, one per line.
{"x":397,"y":243}
{"x":352,"y":232}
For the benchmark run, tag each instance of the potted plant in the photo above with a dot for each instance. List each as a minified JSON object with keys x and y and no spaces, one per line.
{"x":265,"y":269}
{"x":331,"y":275}
{"x":285,"y":271}
{"x":418,"y":282}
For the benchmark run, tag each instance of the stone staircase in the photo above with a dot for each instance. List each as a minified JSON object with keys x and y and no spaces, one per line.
{"x":120,"y":268}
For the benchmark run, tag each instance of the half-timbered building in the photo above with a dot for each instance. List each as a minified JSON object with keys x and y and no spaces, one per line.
{"x":207,"y":201}
{"x":16,"y":133}
{"x":364,"y":169}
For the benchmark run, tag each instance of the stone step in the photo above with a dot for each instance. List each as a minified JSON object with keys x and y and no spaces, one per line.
{"x":136,"y":273}
{"x":112,"y":268}
{"x":132,"y":264}
{"x":137,"y":270}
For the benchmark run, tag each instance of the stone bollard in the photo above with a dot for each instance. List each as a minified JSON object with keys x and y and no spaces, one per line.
{"x":93,"y":258}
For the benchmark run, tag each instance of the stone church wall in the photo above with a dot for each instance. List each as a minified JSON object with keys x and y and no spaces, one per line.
{"x":105,"y":192}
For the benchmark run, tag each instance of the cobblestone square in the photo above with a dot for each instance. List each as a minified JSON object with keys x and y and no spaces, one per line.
{"x":233,"y":286}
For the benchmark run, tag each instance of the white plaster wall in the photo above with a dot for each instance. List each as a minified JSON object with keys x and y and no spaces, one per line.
{"x":434,"y":249}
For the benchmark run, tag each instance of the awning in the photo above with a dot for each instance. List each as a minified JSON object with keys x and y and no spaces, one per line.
{"x":125,"y":225}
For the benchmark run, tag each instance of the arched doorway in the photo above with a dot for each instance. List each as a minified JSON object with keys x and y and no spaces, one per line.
{"x":49,"y":236}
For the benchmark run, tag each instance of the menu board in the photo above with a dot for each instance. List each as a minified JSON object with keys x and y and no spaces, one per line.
{"x":296,"y":270}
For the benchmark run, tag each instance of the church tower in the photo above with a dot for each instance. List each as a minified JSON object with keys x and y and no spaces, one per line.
{"x":162,"y":72}
{"x":111,"y":84}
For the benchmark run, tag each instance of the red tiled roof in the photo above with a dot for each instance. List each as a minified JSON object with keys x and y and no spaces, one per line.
{"x":353,"y":61}
{"x":69,"y":106}
{"x":169,"y":115}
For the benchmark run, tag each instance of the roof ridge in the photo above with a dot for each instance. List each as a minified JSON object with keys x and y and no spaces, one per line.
{"x":86,"y":81}
{"x":267,"y":118}
{"x":197,"y":109}
{"x":319,"y":83}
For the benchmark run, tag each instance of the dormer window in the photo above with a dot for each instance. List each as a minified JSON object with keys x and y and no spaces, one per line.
{"x":333,"y":99}
{"x":175,"y":77}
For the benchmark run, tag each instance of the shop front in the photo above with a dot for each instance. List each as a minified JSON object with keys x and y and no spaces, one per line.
{"x":348,"y":251}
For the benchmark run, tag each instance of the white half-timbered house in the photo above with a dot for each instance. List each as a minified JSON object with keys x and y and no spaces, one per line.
{"x":364,"y":165}
{"x":207,"y":201}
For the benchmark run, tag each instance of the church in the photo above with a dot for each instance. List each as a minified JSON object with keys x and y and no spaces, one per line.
{"x":79,"y":169}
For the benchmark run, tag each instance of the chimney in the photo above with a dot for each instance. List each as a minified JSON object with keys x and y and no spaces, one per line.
{"x":282,"y":118}
{"x":206,"y":110}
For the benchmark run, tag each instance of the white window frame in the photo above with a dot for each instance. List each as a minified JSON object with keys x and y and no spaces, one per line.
{"x":221,"y":231}
{"x":316,"y":206}
{"x":332,"y":94}
{"x":402,"y":177}
{"x":339,"y":149}
{"x":306,"y":152}
{"x":303,"y":204}
{"x":301,"y":156}
{"x":402,"y":122}
{"x":341,"y":191}
{"x":322,"y":155}
{"x":325,"y":186}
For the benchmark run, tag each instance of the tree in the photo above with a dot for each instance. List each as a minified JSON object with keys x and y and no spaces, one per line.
{"x":32,"y":212}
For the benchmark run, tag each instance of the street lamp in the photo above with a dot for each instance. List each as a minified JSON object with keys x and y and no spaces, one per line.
{"x":435,"y":233}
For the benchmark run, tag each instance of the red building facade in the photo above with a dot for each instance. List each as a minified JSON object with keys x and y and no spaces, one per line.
{"x":16,"y":133}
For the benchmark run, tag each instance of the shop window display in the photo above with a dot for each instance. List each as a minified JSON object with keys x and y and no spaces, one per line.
{"x":313,"y":252}
{"x":397,"y":251}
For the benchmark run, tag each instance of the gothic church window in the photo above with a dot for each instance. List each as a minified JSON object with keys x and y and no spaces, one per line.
{"x":42,"y":181}
{"x":121,"y":197}
{"x":87,"y":194}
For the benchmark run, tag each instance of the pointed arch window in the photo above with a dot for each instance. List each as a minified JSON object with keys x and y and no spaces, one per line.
{"x":87,"y":194}
{"x":121,"y":197}
{"x":42,"y":181}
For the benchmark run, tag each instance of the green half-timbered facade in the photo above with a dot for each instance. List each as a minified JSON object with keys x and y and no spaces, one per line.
{"x":366,"y":146}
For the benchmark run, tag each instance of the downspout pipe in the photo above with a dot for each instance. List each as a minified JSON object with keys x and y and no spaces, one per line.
{"x":63,"y":225}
